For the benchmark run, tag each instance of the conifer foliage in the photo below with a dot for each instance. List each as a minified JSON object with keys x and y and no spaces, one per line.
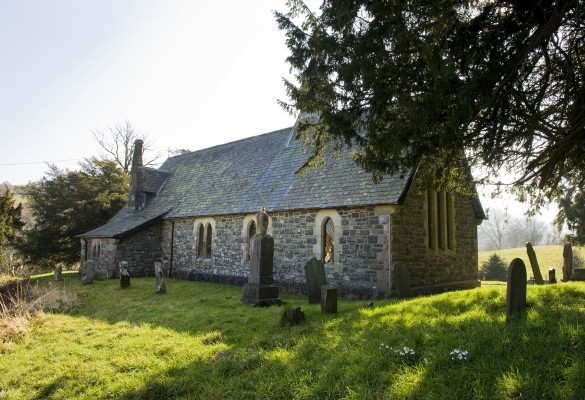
{"x":427,"y":83}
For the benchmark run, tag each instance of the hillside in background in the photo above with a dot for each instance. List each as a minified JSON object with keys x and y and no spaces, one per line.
{"x":548,"y":257}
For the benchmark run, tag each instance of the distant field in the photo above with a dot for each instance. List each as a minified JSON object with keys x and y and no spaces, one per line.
{"x":548,"y":257}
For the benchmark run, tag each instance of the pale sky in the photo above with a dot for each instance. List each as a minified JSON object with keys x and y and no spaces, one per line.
{"x":189,"y":74}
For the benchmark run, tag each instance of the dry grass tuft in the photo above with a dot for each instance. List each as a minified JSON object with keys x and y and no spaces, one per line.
{"x":23,"y":302}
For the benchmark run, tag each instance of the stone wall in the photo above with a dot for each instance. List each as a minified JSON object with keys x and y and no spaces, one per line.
{"x":141,"y":250}
{"x":435,"y":268}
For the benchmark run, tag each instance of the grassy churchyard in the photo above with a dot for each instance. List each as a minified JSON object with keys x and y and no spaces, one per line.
{"x":199,"y":342}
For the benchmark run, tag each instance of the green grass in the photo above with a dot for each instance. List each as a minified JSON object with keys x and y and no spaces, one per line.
{"x":547,"y":256}
{"x":198,"y":342}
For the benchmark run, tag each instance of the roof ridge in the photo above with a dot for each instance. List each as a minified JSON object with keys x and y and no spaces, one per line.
{"x":232,"y":143}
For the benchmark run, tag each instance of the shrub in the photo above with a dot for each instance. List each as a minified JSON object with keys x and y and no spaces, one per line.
{"x":493,"y":269}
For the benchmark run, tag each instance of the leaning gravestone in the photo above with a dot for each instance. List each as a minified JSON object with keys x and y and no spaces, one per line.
{"x":534,"y":264}
{"x":260,"y":289}
{"x":567,"y":262}
{"x":402,"y":281}
{"x":87,"y":272}
{"x":516,"y":288}
{"x":315,"y":276}
{"x":328,"y":299}
{"x":58,"y":272}
{"x":160,"y":273}
{"x":124,"y":275}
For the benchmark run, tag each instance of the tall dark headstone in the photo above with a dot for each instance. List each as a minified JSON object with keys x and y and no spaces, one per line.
{"x":534,"y":264}
{"x":87,"y":272}
{"x":567,"y":262}
{"x":315,"y":276}
{"x":160,"y":273}
{"x":402,"y":281}
{"x":516,"y":288}
{"x":260,"y":289}
{"x":58,"y":272}
{"x":124,"y":275}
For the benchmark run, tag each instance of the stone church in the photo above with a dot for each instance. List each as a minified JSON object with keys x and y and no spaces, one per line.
{"x":196,"y":215}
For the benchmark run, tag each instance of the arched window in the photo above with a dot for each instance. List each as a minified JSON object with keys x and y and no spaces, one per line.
{"x":200,"y":238}
{"x":250,"y":238}
{"x":328,"y":243}
{"x":208,"y":237}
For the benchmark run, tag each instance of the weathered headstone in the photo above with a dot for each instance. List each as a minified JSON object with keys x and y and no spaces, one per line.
{"x":260,"y":289}
{"x":578,"y":274}
{"x":567,"y":262}
{"x":58,"y":272}
{"x":292,"y":316}
{"x":534,"y":264}
{"x":160,"y":273}
{"x":552,"y":276}
{"x":516,"y":288}
{"x":87,"y":272}
{"x":328,"y":299}
{"x":124,"y":274}
{"x":315,"y":276}
{"x":402,"y":281}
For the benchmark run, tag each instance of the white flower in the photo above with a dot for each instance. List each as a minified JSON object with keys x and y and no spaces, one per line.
{"x":459,"y":355}
{"x":407,"y":351}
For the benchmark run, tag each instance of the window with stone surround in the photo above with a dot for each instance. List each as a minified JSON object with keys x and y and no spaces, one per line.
{"x":200,"y":237}
{"x":208,"y":239}
{"x":440,"y":221}
{"x":328,"y":241}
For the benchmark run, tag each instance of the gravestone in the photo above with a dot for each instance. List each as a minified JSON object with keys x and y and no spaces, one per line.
{"x":567,"y":262}
{"x":58,"y":272}
{"x":328,"y":299}
{"x":402,"y":281}
{"x":578,"y":274}
{"x":552,"y":277}
{"x":516,"y":288}
{"x":315,"y":276}
{"x":260,"y":289}
{"x":160,"y":273}
{"x":534,"y":264}
{"x":87,"y":272}
{"x":124,"y":274}
{"x":292,"y":316}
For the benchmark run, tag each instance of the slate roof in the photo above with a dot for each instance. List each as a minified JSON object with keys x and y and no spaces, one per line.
{"x":242,"y":176}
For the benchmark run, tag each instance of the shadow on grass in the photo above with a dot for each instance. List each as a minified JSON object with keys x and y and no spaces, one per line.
{"x":360,"y":352}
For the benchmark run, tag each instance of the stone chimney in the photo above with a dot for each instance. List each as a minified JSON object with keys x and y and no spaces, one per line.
{"x":136,"y":198}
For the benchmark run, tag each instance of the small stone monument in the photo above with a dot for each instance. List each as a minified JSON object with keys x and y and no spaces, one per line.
{"x":124,"y":274}
{"x":567,"y":262}
{"x":58,"y":272}
{"x":328,"y":299}
{"x":260,"y":289}
{"x":87,"y":272}
{"x":402,"y":281}
{"x":534,"y":264}
{"x":552,"y":277}
{"x":516,"y":288}
{"x":292,"y":316}
{"x":315,"y":276}
{"x":160,"y":273}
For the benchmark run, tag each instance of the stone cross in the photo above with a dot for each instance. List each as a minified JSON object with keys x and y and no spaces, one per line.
{"x":567,"y":261}
{"x":315,"y":276}
{"x":58,"y":272}
{"x":516,"y":288}
{"x":160,"y":273}
{"x":260,"y":289}
{"x":124,"y":274}
{"x":534,"y":264}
